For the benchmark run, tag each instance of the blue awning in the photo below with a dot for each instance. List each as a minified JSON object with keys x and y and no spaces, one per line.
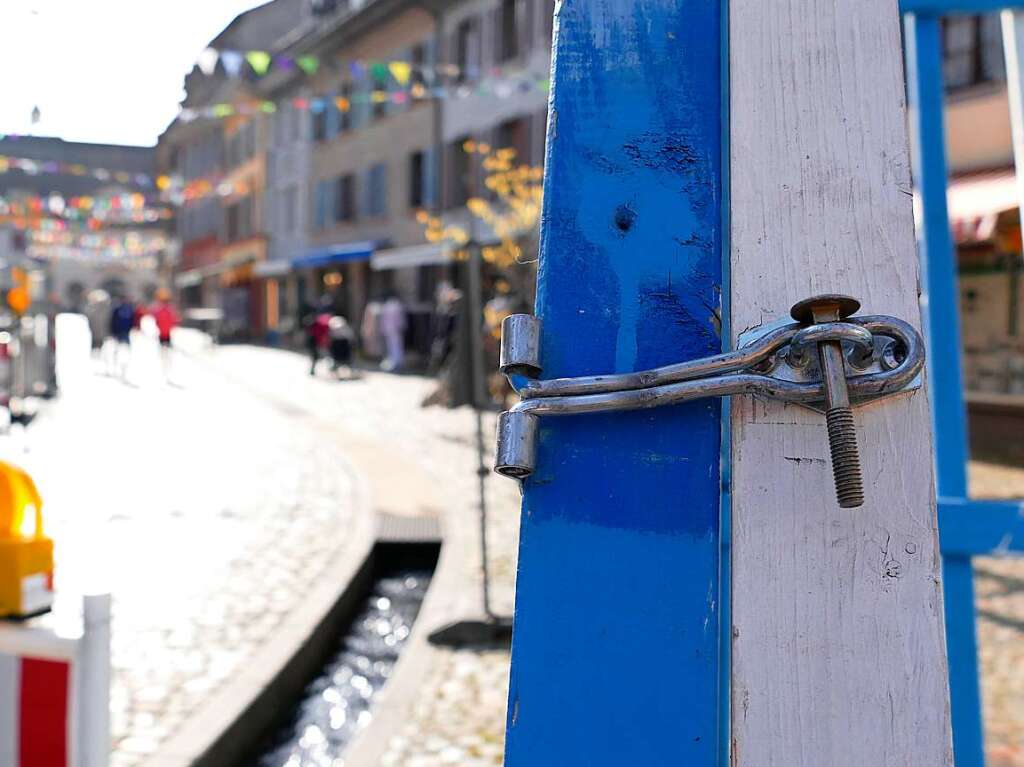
{"x":335,"y":254}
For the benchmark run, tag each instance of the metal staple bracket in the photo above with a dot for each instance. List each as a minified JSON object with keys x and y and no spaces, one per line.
{"x":827,"y":360}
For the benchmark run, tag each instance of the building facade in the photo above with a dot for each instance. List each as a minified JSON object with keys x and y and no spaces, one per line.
{"x":324,"y":203}
{"x":220,"y":167}
{"x":984,"y":204}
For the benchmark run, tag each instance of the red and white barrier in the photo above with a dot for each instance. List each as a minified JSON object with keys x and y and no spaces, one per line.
{"x":55,"y":691}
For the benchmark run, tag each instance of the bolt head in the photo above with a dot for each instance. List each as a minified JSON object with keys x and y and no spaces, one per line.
{"x":803,"y":311}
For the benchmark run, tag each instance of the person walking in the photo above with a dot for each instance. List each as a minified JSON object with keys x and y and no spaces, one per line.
{"x":318,"y":333}
{"x":122,"y":321}
{"x":392,"y":327}
{"x":341,"y":340}
{"x":166,"y":318}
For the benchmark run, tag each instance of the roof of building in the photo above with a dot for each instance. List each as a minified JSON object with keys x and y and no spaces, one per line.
{"x":46,"y":149}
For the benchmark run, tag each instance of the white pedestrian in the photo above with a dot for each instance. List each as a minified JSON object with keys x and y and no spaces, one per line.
{"x":392,"y":327}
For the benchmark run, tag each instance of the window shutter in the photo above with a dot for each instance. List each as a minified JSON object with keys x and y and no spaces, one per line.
{"x":332,"y":115}
{"x":366,"y":198}
{"x":497,"y":50}
{"x":321,"y":213}
{"x":429,"y":178}
{"x":524,"y":19}
{"x":364,"y":109}
{"x":330,"y":201}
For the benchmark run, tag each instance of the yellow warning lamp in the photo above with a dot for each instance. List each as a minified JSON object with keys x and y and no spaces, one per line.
{"x":26,"y":555}
{"x":18,"y":297}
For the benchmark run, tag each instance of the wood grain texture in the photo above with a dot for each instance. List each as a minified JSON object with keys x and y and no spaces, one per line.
{"x":838,"y":655}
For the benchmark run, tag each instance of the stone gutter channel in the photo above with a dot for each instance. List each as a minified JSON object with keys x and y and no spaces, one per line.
{"x":233,"y":722}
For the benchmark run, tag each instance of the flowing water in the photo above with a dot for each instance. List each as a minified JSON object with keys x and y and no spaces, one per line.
{"x":338,"y":703}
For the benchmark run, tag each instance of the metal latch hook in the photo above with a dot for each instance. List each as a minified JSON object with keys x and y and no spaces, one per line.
{"x":859,"y":359}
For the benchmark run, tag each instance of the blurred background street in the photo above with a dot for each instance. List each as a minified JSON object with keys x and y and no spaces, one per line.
{"x":253,"y":288}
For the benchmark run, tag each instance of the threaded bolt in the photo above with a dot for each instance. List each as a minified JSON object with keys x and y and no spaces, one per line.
{"x":842,"y":443}
{"x":842,"y":436}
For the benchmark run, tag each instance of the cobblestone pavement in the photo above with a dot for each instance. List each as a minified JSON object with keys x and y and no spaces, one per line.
{"x":219,"y":487}
{"x":206,"y":510}
{"x":458,"y":717}
{"x":999,"y":591}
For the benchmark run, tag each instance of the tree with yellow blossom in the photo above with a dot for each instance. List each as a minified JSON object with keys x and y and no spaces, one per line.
{"x":512,"y":214}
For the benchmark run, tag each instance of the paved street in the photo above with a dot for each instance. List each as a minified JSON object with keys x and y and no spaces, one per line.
{"x":211,"y":506}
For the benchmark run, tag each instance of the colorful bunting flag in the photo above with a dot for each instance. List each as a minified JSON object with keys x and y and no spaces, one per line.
{"x":401,"y":71}
{"x":232,"y":61}
{"x":207,"y":61}
{"x":259,"y":61}
{"x":308,"y":64}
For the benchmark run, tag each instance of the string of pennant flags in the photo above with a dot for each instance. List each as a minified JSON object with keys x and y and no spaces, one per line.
{"x":260,"y":63}
{"x":129,"y":207}
{"x":497,"y":87}
{"x":33,"y":167}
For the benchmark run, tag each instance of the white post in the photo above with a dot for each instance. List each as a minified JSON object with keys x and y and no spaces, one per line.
{"x":92,"y":703}
{"x":838,"y":651}
{"x":1013,"y":47}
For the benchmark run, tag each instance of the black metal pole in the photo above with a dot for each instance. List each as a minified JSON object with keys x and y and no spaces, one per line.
{"x":479,"y":399}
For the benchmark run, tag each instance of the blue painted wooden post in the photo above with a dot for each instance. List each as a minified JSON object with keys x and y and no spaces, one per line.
{"x":941,"y":303}
{"x":615,"y":655}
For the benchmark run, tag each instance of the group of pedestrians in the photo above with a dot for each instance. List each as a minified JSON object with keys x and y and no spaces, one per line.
{"x":126,"y":317}
{"x":329,"y":335}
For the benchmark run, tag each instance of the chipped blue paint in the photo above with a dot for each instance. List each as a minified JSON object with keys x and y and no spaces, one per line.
{"x":615,"y":656}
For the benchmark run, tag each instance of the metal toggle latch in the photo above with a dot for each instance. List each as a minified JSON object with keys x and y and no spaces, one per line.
{"x":828,"y":360}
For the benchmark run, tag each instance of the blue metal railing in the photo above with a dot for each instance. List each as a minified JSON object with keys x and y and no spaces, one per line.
{"x":966,"y":527}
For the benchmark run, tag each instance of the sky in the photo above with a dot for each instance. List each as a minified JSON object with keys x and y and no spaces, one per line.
{"x":105,"y":71}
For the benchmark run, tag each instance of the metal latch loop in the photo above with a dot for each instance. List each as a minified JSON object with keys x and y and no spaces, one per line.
{"x":883,"y":355}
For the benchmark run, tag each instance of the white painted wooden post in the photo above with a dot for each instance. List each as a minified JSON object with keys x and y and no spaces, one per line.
{"x":838,"y":653}
{"x":93,"y":676}
{"x":1013,"y":48}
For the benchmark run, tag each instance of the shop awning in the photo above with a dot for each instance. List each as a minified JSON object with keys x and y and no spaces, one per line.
{"x":976,"y":201}
{"x":429,"y":254}
{"x":274,"y":268}
{"x":335,"y":254}
{"x":188,"y":279}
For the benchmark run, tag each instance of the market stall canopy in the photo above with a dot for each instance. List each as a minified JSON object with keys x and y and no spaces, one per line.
{"x":976,"y":201}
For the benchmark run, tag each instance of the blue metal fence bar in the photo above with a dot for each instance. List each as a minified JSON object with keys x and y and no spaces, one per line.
{"x":940,"y":302}
{"x":950,"y":7}
{"x":975,"y":527}
{"x":615,"y":655}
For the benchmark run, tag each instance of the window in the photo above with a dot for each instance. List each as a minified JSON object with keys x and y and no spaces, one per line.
{"x":345,"y":198}
{"x":418,"y":57}
{"x":319,"y":117}
{"x":417,"y":176}
{"x":380,"y":105}
{"x":460,"y":178}
{"x":249,"y":134}
{"x":238,"y":217}
{"x":345,"y":115}
{"x":467,"y":49}
{"x":377,"y":191}
{"x":507,"y":31}
{"x":514,"y":134}
{"x":972,"y":50}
